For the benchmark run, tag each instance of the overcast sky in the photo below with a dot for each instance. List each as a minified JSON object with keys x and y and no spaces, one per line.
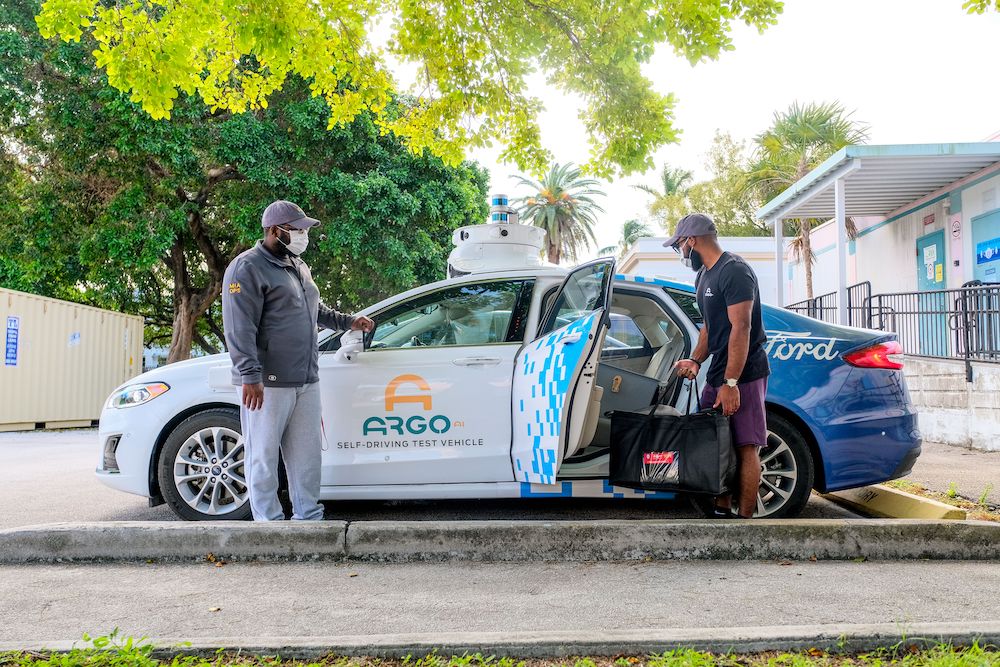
{"x":917,"y":71}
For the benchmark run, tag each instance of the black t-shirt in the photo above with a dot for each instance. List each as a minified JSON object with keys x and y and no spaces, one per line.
{"x":731,"y":281}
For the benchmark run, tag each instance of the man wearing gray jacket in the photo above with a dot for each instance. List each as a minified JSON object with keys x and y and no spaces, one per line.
{"x":270,"y":309}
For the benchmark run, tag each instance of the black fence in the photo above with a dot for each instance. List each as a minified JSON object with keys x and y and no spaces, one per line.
{"x":961,"y":323}
{"x":824,"y":306}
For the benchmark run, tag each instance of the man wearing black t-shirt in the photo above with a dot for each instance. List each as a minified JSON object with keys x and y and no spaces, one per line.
{"x":733,"y":336}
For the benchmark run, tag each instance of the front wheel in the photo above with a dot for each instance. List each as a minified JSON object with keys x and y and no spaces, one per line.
{"x":786,"y":473}
{"x":200,"y":468}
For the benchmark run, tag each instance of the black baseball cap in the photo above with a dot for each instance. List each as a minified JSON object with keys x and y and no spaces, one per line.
{"x":284,"y":212}
{"x":692,"y":224}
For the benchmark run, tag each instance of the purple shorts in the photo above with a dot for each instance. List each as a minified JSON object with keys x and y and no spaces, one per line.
{"x":749,"y":424}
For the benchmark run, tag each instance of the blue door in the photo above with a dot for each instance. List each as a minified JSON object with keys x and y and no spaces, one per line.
{"x":933,"y":307}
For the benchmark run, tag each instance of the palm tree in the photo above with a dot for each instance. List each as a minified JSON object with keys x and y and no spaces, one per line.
{"x":632,"y":230}
{"x":798,"y":140}
{"x":563,"y":205}
{"x":673,"y":181}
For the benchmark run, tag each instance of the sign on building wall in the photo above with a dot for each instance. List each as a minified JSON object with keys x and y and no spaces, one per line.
{"x":988,"y":251}
{"x":13,"y":331}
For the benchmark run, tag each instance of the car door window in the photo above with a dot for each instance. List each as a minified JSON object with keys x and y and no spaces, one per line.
{"x":471,"y":314}
{"x":584,"y":291}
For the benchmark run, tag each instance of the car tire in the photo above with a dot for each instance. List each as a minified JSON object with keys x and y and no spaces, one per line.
{"x":788,"y":474}
{"x":200,"y":468}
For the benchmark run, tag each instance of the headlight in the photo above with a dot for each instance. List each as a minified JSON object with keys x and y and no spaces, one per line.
{"x":137,"y":394}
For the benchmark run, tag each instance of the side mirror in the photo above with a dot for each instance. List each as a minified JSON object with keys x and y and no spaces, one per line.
{"x":352,"y":343}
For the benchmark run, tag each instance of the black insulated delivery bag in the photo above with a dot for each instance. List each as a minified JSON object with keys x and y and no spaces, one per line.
{"x":690,"y":453}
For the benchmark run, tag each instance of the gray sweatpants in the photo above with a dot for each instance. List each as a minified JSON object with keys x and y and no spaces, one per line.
{"x":290,"y":421}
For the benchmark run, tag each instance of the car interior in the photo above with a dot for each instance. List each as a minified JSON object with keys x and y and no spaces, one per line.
{"x":642,"y":345}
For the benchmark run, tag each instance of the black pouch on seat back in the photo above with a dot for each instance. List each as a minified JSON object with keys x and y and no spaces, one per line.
{"x":690,"y":453}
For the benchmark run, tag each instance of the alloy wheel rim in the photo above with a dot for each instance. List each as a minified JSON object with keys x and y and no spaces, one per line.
{"x":209,"y":471}
{"x":779,"y":474}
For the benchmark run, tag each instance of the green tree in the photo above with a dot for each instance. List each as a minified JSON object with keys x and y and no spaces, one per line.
{"x":632,"y":230}
{"x":473,"y":60}
{"x":563,"y":204}
{"x":981,"y":6}
{"x":672,"y":181}
{"x":800,"y":139}
{"x":116,"y":209}
{"x":724,"y":196}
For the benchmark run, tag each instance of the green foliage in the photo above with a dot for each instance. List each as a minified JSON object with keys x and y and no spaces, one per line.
{"x":724,"y":196}
{"x":981,"y":6}
{"x":799,"y":140}
{"x":473,"y":58}
{"x":116,"y":651}
{"x":984,"y":496}
{"x":632,"y":230}
{"x":564,"y":205}
{"x":116,"y":209}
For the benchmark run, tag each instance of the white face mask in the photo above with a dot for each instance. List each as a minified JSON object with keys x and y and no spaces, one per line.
{"x":299,"y":241}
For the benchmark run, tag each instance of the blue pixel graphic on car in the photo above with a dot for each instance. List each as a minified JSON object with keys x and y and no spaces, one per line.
{"x":589,"y":488}
{"x":547,"y":367}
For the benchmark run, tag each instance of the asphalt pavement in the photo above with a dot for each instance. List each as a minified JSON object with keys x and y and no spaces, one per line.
{"x":49,"y":477}
{"x":256,"y":600}
{"x":971,"y":472}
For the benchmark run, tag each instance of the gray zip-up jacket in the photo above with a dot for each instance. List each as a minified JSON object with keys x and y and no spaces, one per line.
{"x":270,"y":308}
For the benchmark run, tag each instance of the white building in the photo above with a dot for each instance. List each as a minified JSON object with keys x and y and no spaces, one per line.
{"x":928,"y":221}
{"x":648,"y":257}
{"x":927,"y":217}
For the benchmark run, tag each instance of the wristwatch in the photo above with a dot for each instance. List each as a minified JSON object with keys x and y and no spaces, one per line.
{"x":732,"y":382}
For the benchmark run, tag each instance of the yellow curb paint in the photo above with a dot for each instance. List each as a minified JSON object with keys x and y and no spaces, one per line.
{"x":883,"y":501}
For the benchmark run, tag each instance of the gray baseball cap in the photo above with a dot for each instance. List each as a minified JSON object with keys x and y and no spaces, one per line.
{"x":284,"y":212}
{"x":692,"y":224}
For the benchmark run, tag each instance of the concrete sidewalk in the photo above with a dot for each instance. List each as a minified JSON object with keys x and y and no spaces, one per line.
{"x":521,"y":608}
{"x":971,"y":470}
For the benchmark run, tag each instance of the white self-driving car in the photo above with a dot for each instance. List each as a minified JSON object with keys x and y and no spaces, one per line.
{"x":498,"y":383}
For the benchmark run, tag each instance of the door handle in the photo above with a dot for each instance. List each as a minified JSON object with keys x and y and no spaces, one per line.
{"x":476,"y":361}
{"x":571,"y":338}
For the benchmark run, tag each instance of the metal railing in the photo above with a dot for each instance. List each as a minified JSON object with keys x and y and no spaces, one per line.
{"x":824,"y":306}
{"x":961,"y":323}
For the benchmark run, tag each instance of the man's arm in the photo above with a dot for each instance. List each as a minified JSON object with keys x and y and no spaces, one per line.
{"x":689,"y":367}
{"x":739,"y":339}
{"x":242,"y":305}
{"x":700,"y":352}
{"x":333,"y":319}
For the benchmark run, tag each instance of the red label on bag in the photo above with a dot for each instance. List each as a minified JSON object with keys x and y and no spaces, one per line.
{"x":658,"y":457}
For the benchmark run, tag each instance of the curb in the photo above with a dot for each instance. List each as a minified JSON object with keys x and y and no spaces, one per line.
{"x":840,"y":638}
{"x":884,"y":501}
{"x":504,"y":541}
{"x":173,"y":541}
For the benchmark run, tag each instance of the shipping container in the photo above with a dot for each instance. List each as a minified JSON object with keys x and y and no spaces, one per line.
{"x":62,"y":360}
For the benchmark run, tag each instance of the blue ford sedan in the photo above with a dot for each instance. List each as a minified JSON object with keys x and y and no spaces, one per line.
{"x":498,"y":383}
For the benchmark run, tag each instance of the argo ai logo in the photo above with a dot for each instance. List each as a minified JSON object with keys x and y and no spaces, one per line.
{"x":415,"y":425}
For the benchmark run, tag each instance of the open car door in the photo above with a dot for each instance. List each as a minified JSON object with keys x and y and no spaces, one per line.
{"x":556,"y":400}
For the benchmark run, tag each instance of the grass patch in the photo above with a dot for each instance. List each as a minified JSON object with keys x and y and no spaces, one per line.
{"x":116,"y":651}
{"x":978,"y":510}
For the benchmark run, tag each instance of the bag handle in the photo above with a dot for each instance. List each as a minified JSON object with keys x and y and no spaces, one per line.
{"x":694,"y":391}
{"x":694,"y":395}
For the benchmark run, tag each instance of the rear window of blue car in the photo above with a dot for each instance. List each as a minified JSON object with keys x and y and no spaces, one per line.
{"x":687,"y":302}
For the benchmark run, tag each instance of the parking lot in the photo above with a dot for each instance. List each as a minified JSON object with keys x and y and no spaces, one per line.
{"x":50,"y":478}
